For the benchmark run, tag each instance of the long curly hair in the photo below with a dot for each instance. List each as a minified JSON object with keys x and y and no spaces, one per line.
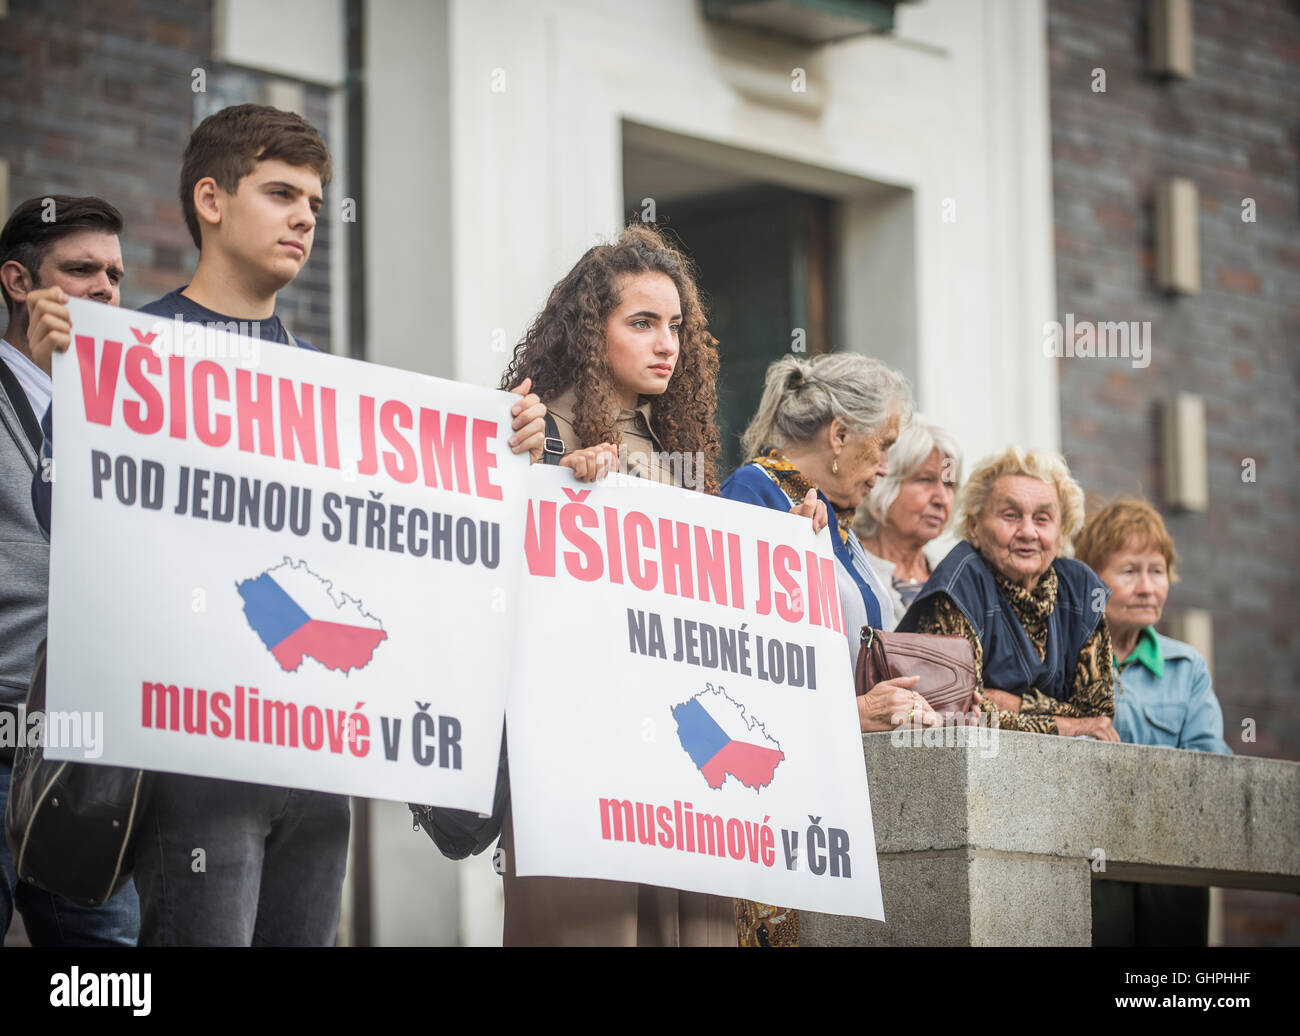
{"x":566,"y":347}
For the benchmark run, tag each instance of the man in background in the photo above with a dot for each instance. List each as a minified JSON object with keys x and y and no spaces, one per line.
{"x":51,"y":248}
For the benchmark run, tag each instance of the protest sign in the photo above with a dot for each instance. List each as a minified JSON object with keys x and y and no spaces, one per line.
{"x":274,"y":565}
{"x":682,"y":712}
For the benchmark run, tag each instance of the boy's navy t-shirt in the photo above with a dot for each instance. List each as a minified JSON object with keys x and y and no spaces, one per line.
{"x":171,"y":306}
{"x":174,"y":305}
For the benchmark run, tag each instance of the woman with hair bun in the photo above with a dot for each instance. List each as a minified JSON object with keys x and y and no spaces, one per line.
{"x":622,"y":356}
{"x":818,"y":441}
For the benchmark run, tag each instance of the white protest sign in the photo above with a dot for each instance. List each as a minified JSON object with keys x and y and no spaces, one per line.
{"x":274,"y":565}
{"x":682,"y":713}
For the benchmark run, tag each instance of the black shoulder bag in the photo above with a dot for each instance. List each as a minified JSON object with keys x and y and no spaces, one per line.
{"x":459,"y":833}
{"x":70,"y":826}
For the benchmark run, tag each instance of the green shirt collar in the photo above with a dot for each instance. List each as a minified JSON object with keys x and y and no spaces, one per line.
{"x":1146,"y":651}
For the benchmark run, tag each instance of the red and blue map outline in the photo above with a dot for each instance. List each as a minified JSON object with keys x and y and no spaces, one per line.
{"x":716,"y":753}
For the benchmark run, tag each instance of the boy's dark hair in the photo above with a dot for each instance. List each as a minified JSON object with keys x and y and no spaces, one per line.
{"x":227,"y":144}
{"x":34,"y":226}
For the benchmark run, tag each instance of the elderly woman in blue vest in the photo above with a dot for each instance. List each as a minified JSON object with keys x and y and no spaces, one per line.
{"x":1034,"y":618}
{"x":1163,"y":697}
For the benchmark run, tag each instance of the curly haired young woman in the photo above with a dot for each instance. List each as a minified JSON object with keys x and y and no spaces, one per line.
{"x":622,"y":356}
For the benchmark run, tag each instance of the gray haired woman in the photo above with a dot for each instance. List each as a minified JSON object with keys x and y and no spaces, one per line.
{"x":818,"y":442}
{"x":909,"y":508}
{"x":820,"y":439}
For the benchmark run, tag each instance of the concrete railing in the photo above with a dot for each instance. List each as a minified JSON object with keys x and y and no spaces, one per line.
{"x":997,"y":843}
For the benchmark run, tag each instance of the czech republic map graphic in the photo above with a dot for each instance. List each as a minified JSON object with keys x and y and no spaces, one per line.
{"x":722,"y":741}
{"x":297,"y":615}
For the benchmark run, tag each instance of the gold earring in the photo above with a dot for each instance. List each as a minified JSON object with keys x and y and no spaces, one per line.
{"x":835,"y":466}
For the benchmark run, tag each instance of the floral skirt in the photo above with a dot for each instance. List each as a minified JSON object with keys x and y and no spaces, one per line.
{"x":761,"y":924}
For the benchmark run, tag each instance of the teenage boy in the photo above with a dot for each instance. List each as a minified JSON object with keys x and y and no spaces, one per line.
{"x":69,"y":244}
{"x":252,"y":184}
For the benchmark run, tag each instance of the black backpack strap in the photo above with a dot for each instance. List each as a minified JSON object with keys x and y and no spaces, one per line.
{"x":30,"y":420}
{"x":553,"y":447}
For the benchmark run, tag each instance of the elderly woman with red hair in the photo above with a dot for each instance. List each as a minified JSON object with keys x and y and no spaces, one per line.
{"x":1163,"y":697}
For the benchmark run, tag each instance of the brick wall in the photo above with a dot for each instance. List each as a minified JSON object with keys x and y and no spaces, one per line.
{"x":1234,"y":129}
{"x":96,"y":97}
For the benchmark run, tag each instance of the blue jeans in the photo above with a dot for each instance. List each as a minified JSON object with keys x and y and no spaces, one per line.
{"x":223,"y":863}
{"x":51,"y":920}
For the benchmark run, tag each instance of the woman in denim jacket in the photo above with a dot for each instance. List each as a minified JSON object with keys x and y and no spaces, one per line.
{"x":1163,"y":697}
